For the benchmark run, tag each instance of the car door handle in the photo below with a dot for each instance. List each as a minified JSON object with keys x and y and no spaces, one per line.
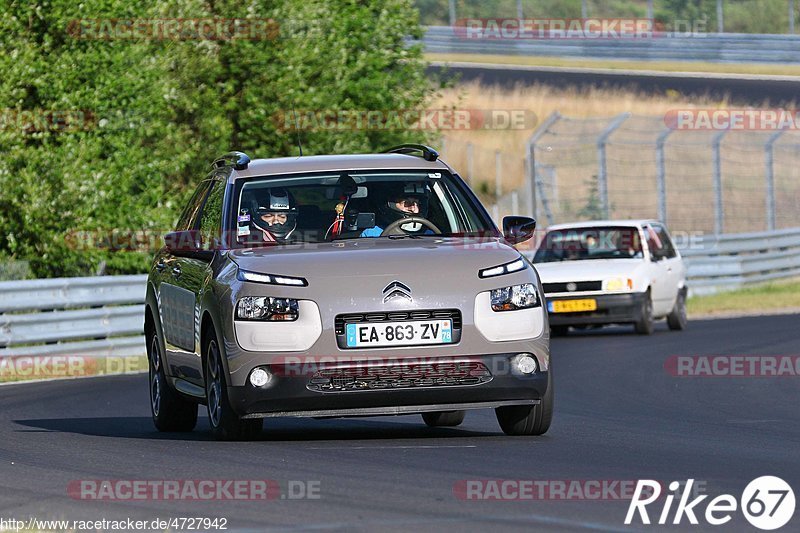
{"x":176,"y":271}
{"x":161,"y":265}
{"x":669,"y":269}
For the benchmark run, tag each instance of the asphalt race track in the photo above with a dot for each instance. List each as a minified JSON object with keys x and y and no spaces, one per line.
{"x":619,"y":416}
{"x":740,"y":89}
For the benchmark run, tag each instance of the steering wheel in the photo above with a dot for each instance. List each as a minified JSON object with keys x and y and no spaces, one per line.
{"x":395,"y":229}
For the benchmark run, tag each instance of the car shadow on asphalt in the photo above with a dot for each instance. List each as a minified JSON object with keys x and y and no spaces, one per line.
{"x":611,"y":331}
{"x":275,"y":429}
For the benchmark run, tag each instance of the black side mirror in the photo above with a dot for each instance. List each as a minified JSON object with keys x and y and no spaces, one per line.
{"x":518,"y":229}
{"x":187,"y":244}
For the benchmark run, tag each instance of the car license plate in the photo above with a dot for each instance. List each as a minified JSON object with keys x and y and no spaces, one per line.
{"x":573,"y":306}
{"x":409,"y":333}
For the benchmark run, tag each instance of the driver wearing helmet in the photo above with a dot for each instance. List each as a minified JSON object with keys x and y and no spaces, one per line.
{"x":402,"y":201}
{"x":275,"y":215}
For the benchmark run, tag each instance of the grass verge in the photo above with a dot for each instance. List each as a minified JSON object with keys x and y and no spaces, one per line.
{"x":768,"y":297}
{"x":622,"y":64}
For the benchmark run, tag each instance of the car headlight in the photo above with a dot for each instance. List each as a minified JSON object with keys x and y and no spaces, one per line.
{"x":271,"y":279}
{"x":508,"y":268}
{"x":618,"y":284}
{"x":515,"y":297}
{"x":267,"y":308}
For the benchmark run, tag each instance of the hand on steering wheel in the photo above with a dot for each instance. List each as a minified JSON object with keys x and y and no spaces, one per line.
{"x":395,"y":227}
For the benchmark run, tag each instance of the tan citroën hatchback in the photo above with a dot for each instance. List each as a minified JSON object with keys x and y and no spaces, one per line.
{"x":344,"y":285}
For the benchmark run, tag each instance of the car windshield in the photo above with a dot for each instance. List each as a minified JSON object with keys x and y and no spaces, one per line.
{"x":575,"y":244}
{"x":338,"y":205}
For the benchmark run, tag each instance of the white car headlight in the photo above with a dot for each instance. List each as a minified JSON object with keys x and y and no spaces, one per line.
{"x":515,"y":297}
{"x":508,"y":268}
{"x":618,"y":284}
{"x":270,"y":279}
{"x":267,"y":308}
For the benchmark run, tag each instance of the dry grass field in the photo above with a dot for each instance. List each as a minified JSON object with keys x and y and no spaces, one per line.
{"x":570,"y":154}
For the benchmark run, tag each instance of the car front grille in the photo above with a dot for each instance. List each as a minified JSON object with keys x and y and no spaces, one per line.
{"x":398,"y":316}
{"x":580,"y":286}
{"x":400,"y":376}
{"x":340,"y":321}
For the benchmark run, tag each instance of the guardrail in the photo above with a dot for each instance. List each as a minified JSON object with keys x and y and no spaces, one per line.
{"x":97,"y":316}
{"x":732,"y":261}
{"x":716,"y":47}
{"x":103,"y":316}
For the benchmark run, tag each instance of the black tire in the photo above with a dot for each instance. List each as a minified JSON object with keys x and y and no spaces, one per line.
{"x":559,"y":331}
{"x":170,"y":411}
{"x":443,"y":418}
{"x":528,"y":419}
{"x":677,"y":319}
{"x":225,"y":423}
{"x":645,"y":324}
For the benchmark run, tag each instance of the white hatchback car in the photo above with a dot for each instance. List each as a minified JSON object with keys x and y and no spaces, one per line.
{"x":612,"y":272}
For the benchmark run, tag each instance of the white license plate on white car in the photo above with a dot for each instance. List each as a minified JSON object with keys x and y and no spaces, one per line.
{"x":411,"y":333}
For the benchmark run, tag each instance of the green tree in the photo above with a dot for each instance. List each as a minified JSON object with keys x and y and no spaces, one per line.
{"x":156,"y":112}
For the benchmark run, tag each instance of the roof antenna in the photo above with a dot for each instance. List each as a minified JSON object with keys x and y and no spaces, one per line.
{"x":297,"y":130}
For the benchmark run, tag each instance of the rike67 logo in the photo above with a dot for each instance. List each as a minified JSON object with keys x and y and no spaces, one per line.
{"x":767,"y":503}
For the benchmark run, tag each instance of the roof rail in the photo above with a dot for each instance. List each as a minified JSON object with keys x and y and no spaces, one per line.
{"x":238,"y":160}
{"x":428,"y":153}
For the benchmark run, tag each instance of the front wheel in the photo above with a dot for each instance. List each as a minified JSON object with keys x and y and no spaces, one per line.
{"x":170,"y":411}
{"x":528,"y":419}
{"x":443,"y":418}
{"x":225,"y":423}
{"x":677,"y":318}
{"x":645,"y":324}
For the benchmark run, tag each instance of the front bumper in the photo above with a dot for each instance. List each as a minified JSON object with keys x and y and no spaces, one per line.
{"x":611,"y":309}
{"x":292,"y":392}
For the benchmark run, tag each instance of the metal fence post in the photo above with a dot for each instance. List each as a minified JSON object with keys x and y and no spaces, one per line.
{"x":769,"y":155}
{"x":719,"y":225}
{"x":602,"y":176}
{"x":543,"y":195}
{"x":531,"y":173}
{"x":661,"y":177}
{"x":452,"y":12}
{"x":530,"y":161}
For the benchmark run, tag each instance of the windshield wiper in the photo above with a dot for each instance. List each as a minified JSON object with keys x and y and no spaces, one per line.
{"x":407,"y":236}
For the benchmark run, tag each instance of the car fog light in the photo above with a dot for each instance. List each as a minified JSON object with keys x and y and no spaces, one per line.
{"x":260,"y":377}
{"x":526,"y":364}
